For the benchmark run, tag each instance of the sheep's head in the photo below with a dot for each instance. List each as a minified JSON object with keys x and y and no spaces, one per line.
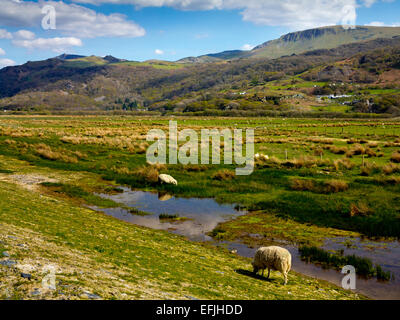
{"x":255,"y":268}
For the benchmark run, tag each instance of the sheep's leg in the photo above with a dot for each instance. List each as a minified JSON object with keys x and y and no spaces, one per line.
{"x":269,"y":271}
{"x":286,"y":278}
{"x":262,"y":273}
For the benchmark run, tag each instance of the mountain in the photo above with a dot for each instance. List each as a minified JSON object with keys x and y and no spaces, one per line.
{"x":321,"y":38}
{"x":303,"y":41}
{"x":66,"y":56}
{"x":214,"y":57}
{"x":244,"y":86}
{"x":112,"y":59}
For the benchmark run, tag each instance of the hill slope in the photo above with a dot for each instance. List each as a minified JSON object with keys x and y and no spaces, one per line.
{"x":321,"y":38}
{"x":99,"y":257}
{"x":303,"y":41}
{"x":102,"y":84}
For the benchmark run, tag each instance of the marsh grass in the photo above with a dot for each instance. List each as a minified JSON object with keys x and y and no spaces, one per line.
{"x":103,"y":146}
{"x":78,"y":194}
{"x":164,"y":216}
{"x":364,"y":266}
{"x":137,"y":212}
{"x":330,"y":186}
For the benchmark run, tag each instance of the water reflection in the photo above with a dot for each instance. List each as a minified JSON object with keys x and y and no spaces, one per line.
{"x":205,"y":214}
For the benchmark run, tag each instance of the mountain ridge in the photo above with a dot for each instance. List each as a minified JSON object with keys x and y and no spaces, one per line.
{"x":108,"y":83}
{"x":302,"y":41}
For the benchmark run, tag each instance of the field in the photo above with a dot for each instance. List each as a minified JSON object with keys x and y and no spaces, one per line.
{"x":323,"y":177}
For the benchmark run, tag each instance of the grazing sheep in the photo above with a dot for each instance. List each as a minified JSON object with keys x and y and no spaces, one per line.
{"x":165,"y":178}
{"x":275,"y":258}
{"x":261,"y":156}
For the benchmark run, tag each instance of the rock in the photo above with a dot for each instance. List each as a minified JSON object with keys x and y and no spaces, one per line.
{"x":167,"y":179}
{"x":5,"y":254}
{"x":191,"y":298}
{"x":26,"y":276}
{"x":12,"y":237}
{"x":8,"y":263}
{"x":91,"y":295}
{"x":36,"y":292}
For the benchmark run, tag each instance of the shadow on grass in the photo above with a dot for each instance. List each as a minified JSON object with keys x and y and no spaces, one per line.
{"x":250,"y":274}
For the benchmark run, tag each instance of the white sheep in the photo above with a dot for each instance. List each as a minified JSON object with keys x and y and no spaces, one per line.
{"x":165,"y":178}
{"x":275,"y":258}
{"x":261,"y":156}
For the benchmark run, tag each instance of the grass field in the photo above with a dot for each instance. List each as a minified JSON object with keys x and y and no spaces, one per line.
{"x":323,"y":178}
{"x":96,"y":256}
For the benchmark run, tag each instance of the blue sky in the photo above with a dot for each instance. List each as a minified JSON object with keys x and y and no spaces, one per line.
{"x":169,"y":29}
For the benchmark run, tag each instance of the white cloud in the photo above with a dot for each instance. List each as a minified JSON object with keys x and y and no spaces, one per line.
{"x":2,"y":52}
{"x":54,"y":44}
{"x":298,"y":14}
{"x":4,"y":34}
{"x":376,"y":24}
{"x":368,"y":3}
{"x":247,"y":47}
{"x":71,"y":19}
{"x":382,"y":24}
{"x":159,"y":52}
{"x":6,"y":63}
{"x":24,"y":34}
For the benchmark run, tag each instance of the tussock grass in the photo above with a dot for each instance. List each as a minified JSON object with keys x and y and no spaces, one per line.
{"x":147,"y":173}
{"x":334,"y":186}
{"x":340,"y":164}
{"x":338,"y":150}
{"x":360,"y":209}
{"x":46,"y":152}
{"x":395,"y":157}
{"x":391,"y":168}
{"x":224,"y":175}
{"x":302,"y":185}
{"x":355,"y":151}
{"x":330,"y":186}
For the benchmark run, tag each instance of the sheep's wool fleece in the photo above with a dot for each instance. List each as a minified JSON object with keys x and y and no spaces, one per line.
{"x":275,"y":258}
{"x":165,"y":178}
